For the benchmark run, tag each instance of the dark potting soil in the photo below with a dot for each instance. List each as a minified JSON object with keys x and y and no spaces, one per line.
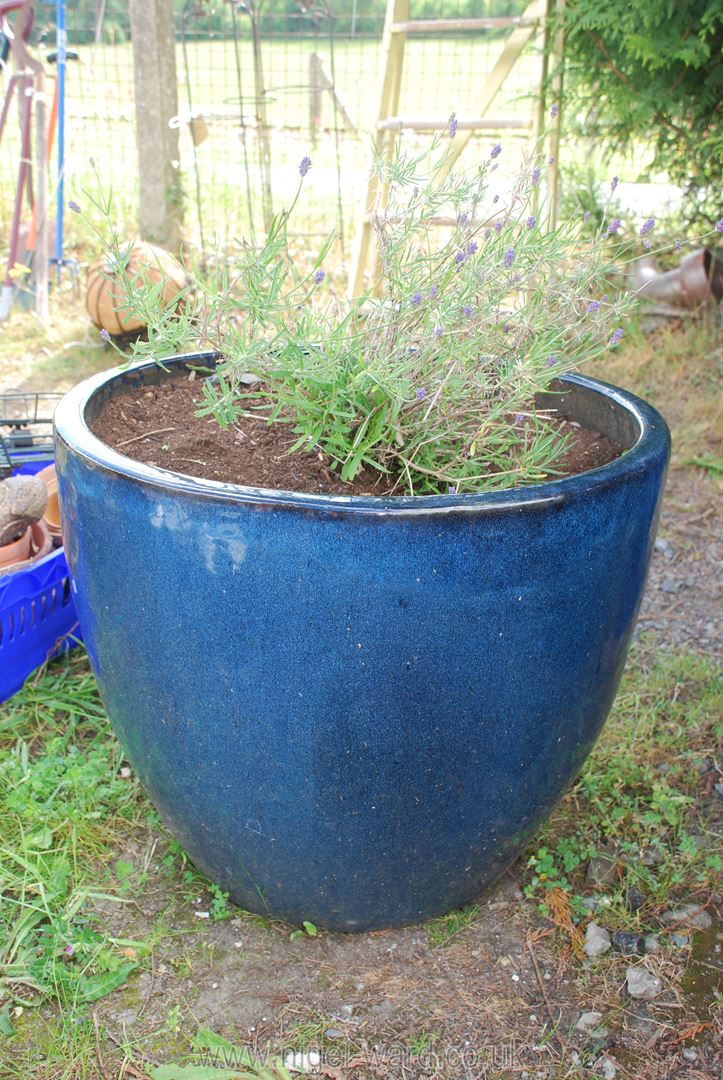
{"x":158,"y":426}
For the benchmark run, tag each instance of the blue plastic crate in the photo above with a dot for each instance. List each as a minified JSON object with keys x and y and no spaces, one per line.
{"x":37,"y":614}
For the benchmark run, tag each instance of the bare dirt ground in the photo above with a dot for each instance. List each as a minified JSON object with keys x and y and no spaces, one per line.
{"x":683,"y":604}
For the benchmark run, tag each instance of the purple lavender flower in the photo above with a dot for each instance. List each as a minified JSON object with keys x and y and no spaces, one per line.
{"x":677,"y":245}
{"x":69,"y":950}
{"x":487,"y":233}
{"x":615,"y":337}
{"x":421,"y":393}
{"x":462,"y":219}
{"x":460,"y":258}
{"x":719,"y":225}
{"x":471,"y":247}
{"x":554,"y":110}
{"x":496,"y":150}
{"x":586,"y":216}
{"x":453,"y":125}
{"x":74,"y":207}
{"x":319,"y":276}
{"x":416,"y":299}
{"x":647,"y":244}
{"x":594,"y":305}
{"x":506,"y":328}
{"x":614,"y":226}
{"x":304,"y":166}
{"x":519,"y":418}
{"x":530,"y":223}
{"x":452,"y":489}
{"x":647,"y":226}
{"x":438,"y":331}
{"x":552,"y":361}
{"x":105,"y":335}
{"x":614,"y":183}
{"x":551,"y":159}
{"x":498,"y":226}
{"x":509,"y":257}
{"x":434,"y":291}
{"x":536,"y":174}
{"x":467,"y":310}
{"x":496,"y":199}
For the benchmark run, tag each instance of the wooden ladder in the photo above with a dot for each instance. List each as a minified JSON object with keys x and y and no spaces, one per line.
{"x":397,"y":26}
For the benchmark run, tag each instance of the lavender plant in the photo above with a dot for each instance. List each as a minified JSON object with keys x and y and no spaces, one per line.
{"x":431,"y":379}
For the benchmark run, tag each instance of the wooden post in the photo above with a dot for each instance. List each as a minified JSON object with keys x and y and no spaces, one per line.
{"x":314,"y":97}
{"x":556,"y":85}
{"x":514,"y":47}
{"x":154,"y":75}
{"x":391,"y":66}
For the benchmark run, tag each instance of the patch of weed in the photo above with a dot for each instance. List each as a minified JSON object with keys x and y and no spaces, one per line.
{"x":442,"y":930}
{"x":640,"y":795}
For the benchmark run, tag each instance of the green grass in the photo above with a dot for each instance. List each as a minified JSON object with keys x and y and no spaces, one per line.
{"x":64,"y":804}
{"x":443,"y":930}
{"x":678,"y":369}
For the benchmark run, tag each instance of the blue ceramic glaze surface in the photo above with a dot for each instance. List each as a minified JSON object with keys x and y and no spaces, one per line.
{"x":357,"y":710}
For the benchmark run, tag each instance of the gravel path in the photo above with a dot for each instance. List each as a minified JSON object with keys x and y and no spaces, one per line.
{"x":683,"y":604}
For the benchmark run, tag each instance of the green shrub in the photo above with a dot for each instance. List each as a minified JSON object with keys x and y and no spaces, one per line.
{"x":651,"y":70}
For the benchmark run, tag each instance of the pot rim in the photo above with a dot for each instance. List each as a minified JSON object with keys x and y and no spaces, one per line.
{"x":71,"y":428}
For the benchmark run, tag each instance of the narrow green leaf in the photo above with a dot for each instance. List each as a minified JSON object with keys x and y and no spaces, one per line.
{"x":6,"y":1026}
{"x":98,"y":986}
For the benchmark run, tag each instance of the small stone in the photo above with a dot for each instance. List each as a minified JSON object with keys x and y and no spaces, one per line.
{"x":652,"y":944}
{"x":681,"y":941}
{"x":692,"y":914}
{"x":633,"y":898}
{"x":588,"y":1022}
{"x":689,"y":1054}
{"x":602,"y":869}
{"x":384,"y":1010}
{"x":597,"y":940}
{"x":333,"y":1033}
{"x":301,"y":1062}
{"x":669,"y":585}
{"x":642,"y":984}
{"x":630,"y":944}
{"x":590,"y":902}
{"x":665,"y":548}
{"x":652,"y":856}
{"x":607,"y":1068}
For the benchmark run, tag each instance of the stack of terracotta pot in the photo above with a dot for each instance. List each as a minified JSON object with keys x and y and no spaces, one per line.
{"x":29,"y":519}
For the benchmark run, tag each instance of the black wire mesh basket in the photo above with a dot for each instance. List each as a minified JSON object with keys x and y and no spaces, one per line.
{"x":26,"y":429}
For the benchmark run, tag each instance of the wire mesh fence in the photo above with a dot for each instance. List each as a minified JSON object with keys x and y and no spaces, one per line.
{"x":260,"y":85}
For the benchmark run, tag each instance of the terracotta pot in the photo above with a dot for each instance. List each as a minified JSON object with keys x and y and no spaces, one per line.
{"x":52,"y":511}
{"x":698,"y":280}
{"x":41,"y":541}
{"x":17,"y":552}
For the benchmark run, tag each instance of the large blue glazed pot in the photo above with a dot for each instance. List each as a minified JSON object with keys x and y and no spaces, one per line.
{"x":357,"y":711}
